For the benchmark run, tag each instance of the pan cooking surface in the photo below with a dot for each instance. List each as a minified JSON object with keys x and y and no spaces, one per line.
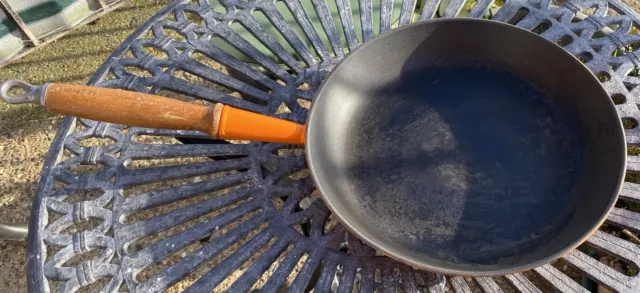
{"x":471,"y":162}
{"x":466,"y":147}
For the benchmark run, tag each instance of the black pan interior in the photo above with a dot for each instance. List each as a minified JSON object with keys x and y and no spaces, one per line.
{"x":466,"y":146}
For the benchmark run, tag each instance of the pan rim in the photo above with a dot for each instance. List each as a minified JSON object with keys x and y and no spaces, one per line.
{"x":460,"y":272}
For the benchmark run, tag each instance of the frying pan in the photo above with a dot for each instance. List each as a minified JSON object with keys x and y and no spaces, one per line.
{"x":464,"y":146}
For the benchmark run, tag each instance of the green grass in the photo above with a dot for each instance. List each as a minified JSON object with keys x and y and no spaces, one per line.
{"x":72,"y":59}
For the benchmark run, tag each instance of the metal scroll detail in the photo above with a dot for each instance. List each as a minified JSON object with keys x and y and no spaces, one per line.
{"x":134,"y":208}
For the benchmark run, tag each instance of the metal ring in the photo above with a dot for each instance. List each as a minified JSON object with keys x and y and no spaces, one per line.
{"x":32,"y":94}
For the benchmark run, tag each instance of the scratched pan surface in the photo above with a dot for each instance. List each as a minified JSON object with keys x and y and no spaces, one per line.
{"x":468,"y":147}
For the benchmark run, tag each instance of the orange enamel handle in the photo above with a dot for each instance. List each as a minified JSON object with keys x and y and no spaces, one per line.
{"x":234,"y":123}
{"x":145,"y":110}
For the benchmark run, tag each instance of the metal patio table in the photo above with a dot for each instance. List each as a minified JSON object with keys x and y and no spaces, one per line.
{"x":122,"y":209}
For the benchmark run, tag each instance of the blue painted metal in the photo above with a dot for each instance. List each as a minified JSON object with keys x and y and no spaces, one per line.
{"x":232,"y":216}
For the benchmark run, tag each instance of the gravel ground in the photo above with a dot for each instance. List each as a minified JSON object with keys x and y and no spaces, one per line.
{"x":26,"y":131}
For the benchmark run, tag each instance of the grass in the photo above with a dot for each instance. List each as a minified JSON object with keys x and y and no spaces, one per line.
{"x":627,"y":49}
{"x":26,"y":131}
{"x":74,"y":58}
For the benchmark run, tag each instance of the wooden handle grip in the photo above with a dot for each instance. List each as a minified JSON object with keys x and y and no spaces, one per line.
{"x":126,"y":107}
{"x":144,"y":110}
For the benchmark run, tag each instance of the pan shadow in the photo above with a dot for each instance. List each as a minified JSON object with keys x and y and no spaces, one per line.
{"x":466,"y":164}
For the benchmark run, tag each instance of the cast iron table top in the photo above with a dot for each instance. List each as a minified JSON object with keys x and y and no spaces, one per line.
{"x":122,"y":209}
